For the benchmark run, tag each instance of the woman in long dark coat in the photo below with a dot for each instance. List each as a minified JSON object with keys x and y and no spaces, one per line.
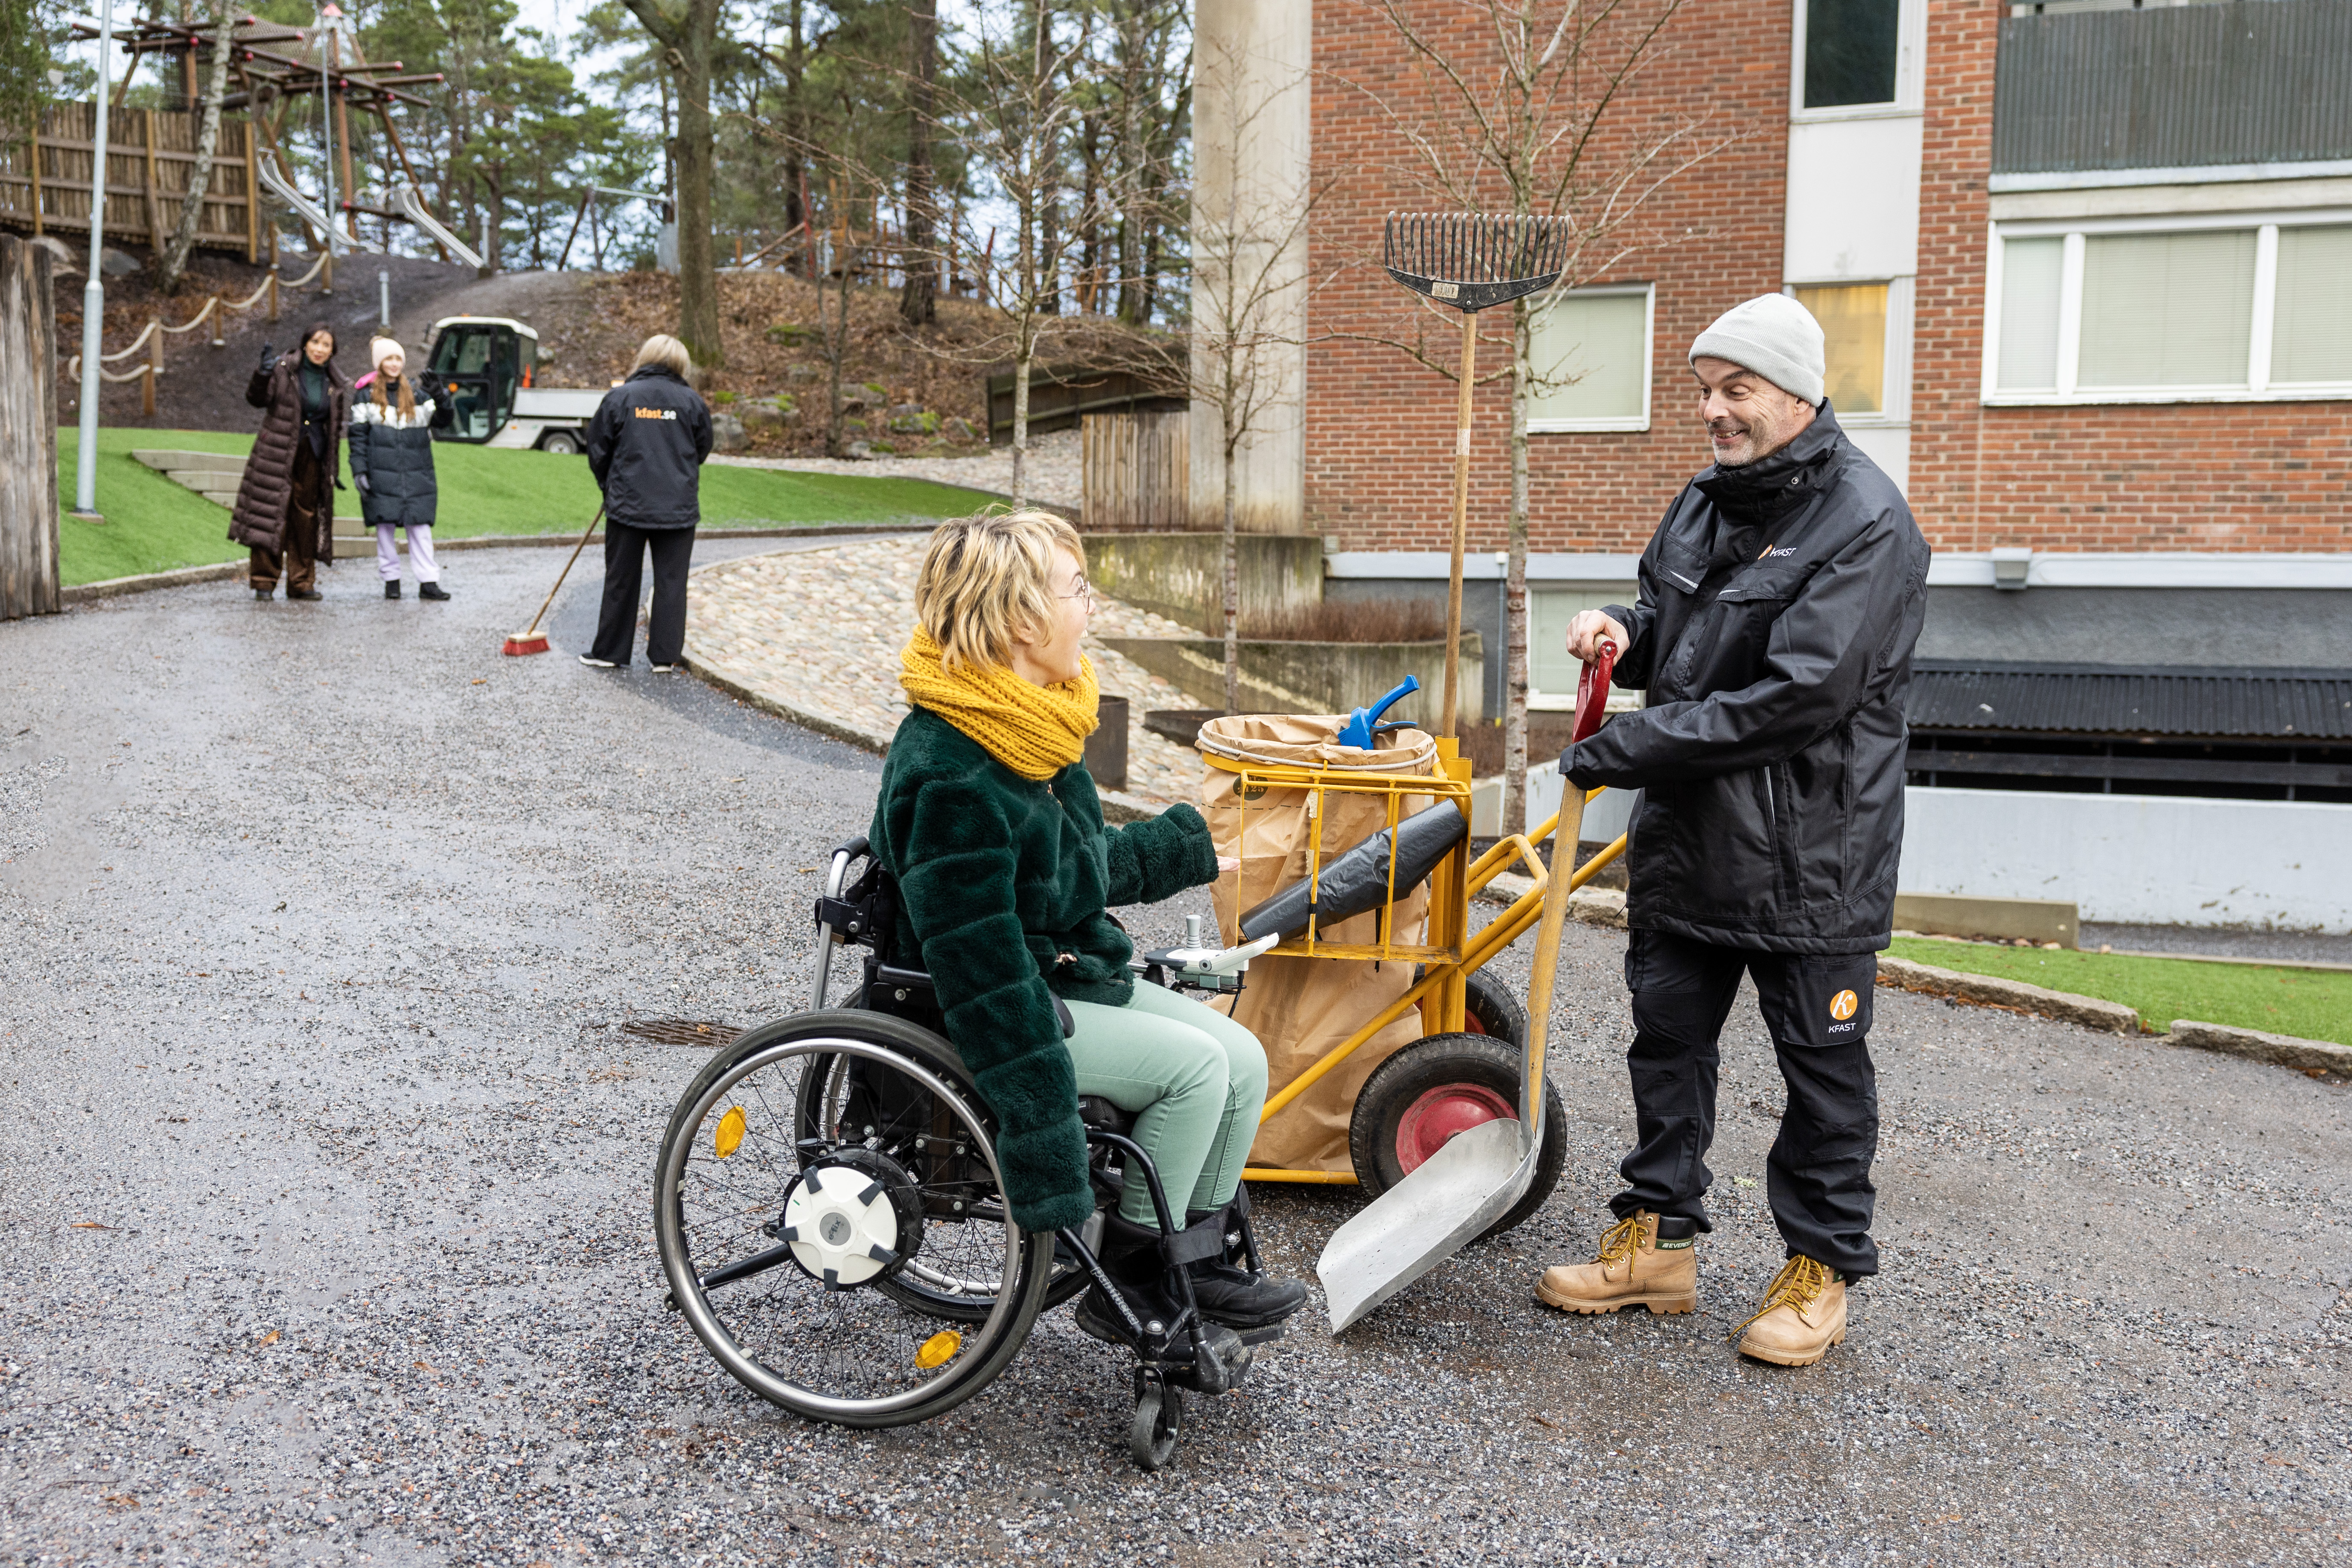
{"x":286,"y":503}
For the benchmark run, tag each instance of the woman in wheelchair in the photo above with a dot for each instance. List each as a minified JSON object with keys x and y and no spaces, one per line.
{"x":989,"y":825}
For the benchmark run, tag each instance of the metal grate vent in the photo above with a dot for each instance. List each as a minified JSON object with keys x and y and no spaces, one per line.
{"x":681,"y":1031}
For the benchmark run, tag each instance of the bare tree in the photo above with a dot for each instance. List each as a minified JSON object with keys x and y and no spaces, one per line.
{"x":1014,"y":115}
{"x":192,"y":206}
{"x":1250,"y":285}
{"x":687,"y":32}
{"x":918,"y":298}
{"x":1522,"y":114}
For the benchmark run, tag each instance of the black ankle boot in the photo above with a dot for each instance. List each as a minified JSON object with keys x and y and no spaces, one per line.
{"x":1131,"y":1254}
{"x":433,"y":590}
{"x":392,"y":590}
{"x":1228,"y":1288}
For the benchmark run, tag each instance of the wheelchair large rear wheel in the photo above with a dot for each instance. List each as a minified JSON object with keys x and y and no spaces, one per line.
{"x":777,"y":1240}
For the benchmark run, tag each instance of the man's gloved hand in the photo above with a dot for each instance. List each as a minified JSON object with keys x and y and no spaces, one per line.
{"x":362,"y":480}
{"x":269,"y":355}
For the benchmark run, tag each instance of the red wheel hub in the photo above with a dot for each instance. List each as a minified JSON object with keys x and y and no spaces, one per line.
{"x":1441,"y":1112}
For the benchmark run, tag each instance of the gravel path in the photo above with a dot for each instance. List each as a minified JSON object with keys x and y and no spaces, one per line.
{"x":821,"y":631}
{"x":326,"y":1160}
{"x":1054,"y":476}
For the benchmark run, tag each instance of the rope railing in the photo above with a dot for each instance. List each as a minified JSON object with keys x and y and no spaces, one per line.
{"x":216,"y":307}
{"x":193,"y":322}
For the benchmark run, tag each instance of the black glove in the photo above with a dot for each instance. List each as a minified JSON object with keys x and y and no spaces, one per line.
{"x":269,"y":355}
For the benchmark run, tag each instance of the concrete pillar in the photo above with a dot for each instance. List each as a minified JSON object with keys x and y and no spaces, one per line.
{"x":1250,"y":148}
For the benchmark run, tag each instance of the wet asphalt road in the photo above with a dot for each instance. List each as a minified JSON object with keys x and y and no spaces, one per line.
{"x":326,"y":1170}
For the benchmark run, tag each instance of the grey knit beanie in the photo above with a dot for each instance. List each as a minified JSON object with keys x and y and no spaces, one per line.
{"x":1773,"y":336}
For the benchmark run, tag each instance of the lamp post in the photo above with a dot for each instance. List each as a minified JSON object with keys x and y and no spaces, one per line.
{"x":329,"y":17}
{"x":93,"y":292}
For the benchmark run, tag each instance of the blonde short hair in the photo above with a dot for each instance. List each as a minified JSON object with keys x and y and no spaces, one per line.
{"x":985,"y":577}
{"x":666,"y":351}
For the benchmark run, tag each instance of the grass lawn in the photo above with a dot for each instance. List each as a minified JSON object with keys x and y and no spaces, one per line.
{"x":154,"y":525}
{"x":2310,"y":1004}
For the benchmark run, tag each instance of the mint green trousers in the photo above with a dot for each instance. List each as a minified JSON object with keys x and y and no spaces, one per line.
{"x":1194,"y":1080}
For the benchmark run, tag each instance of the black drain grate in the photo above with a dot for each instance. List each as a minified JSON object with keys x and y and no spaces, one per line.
{"x":681,"y":1031}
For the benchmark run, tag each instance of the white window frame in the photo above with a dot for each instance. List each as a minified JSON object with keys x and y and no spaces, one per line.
{"x":1895,"y":356}
{"x":2069,"y":393}
{"x":1615,"y":422}
{"x":1910,"y":48}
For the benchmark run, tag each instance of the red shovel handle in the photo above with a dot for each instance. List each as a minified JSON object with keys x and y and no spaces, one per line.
{"x":1592,"y":690}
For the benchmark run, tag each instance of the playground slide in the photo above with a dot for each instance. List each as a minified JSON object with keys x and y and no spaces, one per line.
{"x":412,"y":202}
{"x":304,"y":208}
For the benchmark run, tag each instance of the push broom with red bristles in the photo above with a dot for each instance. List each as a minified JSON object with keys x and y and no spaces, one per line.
{"x":530,"y":639}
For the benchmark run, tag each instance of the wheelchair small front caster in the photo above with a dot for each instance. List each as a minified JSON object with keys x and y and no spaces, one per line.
{"x":1158,"y":1417}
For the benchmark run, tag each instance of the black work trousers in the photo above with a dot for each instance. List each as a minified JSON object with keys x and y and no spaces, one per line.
{"x":616,"y":622}
{"x":1818,"y":1010}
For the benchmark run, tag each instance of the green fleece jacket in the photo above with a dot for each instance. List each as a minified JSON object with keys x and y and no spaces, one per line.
{"x":1002,"y":884}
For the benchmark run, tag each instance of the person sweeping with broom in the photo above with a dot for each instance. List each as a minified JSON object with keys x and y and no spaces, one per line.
{"x":1780,"y":601}
{"x":646,"y":446}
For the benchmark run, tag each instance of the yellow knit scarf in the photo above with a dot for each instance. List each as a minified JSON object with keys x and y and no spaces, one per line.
{"x":1035,"y":730}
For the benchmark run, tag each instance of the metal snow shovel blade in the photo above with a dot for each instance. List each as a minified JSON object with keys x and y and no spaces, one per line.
{"x":1455,"y":1194}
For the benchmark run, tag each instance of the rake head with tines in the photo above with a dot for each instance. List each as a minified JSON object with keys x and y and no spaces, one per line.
{"x":1472,"y":260}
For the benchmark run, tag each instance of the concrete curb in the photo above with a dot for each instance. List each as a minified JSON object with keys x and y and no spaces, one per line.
{"x":2254,"y":1045}
{"x":219,"y":571}
{"x":2108,"y":1017}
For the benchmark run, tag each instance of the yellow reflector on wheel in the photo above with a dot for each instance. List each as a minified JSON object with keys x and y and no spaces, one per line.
{"x":730,"y":1136}
{"x":939,"y":1350}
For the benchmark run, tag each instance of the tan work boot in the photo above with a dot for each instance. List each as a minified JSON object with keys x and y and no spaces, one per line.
{"x":1803,"y":1316}
{"x":1635,"y":1269}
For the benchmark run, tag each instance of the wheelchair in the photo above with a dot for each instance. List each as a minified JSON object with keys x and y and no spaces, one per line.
{"x":830,"y":1219}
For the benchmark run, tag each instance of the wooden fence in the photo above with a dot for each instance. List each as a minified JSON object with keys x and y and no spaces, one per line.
{"x":29,"y":432}
{"x":1138,"y":471}
{"x":150,"y":153}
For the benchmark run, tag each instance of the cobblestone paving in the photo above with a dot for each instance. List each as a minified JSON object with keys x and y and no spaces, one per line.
{"x":1054,"y":476}
{"x":820,"y":632}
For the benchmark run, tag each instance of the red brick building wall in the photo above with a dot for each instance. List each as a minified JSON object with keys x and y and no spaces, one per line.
{"x":2190,"y":476}
{"x":1379,"y":427}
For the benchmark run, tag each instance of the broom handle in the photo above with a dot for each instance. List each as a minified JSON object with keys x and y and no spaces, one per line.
{"x":1446,"y":715}
{"x":559,"y":576}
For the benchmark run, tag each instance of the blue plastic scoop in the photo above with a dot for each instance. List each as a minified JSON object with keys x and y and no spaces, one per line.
{"x":1365,"y":722}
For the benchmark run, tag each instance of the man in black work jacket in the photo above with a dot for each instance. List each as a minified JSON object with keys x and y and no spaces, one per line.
{"x":646,"y":446}
{"x":1780,"y":601}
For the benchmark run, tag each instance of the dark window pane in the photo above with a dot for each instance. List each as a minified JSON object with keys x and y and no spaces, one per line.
{"x":1850,"y":52}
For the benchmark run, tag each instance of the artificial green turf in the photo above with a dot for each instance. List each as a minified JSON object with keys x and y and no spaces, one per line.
{"x":153,"y":525}
{"x":2310,"y":1004}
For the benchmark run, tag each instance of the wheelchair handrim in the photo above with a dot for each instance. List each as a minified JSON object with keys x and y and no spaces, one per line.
{"x":686,"y":1285}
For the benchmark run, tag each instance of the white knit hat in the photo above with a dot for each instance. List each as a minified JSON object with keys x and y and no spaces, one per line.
{"x":1775,"y":337}
{"x":379,"y":349}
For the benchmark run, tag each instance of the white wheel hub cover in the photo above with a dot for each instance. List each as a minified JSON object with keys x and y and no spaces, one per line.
{"x":841,"y":1226}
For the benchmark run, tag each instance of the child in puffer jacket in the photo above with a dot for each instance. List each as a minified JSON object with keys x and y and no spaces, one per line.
{"x":392,"y":421}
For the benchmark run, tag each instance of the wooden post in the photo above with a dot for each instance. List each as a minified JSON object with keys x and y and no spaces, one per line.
{"x":154,"y":201}
{"x":343,"y":140}
{"x":252,"y":198}
{"x":154,"y":361}
{"x":33,"y":149}
{"x":273,"y":271}
{"x":213,"y":305}
{"x":28,"y":431}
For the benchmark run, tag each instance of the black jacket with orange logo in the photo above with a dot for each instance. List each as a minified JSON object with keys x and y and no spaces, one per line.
{"x":646,"y":446}
{"x":1779,"y":606}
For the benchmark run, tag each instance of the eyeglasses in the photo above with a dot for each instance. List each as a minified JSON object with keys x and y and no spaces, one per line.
{"x":1085,"y":591}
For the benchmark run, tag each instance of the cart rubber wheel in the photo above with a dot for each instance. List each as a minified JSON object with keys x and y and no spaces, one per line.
{"x":1158,"y":1417}
{"x":1489,"y":1008}
{"x":1435,"y":1087}
{"x":562,"y":441}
